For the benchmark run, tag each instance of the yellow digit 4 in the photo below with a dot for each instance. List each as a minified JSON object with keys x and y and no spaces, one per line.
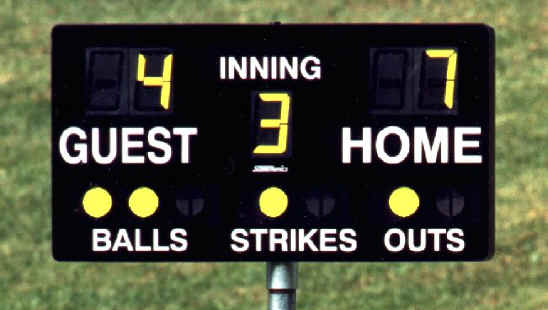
{"x":451,"y":56}
{"x":280,"y":123}
{"x":163,"y":81}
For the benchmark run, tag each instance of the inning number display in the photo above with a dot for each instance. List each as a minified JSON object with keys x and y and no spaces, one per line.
{"x":272,"y":142}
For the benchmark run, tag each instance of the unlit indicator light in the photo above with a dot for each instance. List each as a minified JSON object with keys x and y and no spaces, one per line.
{"x":320,"y":206}
{"x":143,"y":202}
{"x":450,"y":202}
{"x":273,"y":202}
{"x":190,"y":207}
{"x":404,"y":201}
{"x":97,"y":202}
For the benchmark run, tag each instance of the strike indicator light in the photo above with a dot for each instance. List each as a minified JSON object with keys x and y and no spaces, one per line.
{"x":273,"y":202}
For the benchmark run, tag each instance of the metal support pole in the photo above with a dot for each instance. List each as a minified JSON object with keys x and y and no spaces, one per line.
{"x":281,"y":282}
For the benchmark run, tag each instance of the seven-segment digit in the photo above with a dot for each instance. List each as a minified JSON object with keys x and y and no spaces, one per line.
{"x":163,"y":81}
{"x":281,"y":123}
{"x":451,"y":56}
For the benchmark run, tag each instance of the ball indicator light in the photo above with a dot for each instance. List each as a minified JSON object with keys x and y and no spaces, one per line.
{"x":143,"y":202}
{"x":97,"y":202}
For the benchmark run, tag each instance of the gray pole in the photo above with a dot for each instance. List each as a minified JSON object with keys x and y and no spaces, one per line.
{"x":281,"y":282}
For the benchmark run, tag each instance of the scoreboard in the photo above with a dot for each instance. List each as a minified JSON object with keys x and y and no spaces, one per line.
{"x":343,"y":142}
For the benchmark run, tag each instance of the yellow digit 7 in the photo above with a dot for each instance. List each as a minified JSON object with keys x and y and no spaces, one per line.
{"x":451,"y":56}
{"x":163,"y":81}
{"x":280,"y":123}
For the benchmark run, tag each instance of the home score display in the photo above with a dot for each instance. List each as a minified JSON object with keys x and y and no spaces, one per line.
{"x":272,"y":142}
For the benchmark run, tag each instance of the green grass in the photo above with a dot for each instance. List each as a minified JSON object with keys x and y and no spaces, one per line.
{"x":517,"y":277}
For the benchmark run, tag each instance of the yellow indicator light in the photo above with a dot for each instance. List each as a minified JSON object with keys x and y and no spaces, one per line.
{"x":403,"y":201}
{"x":143,"y":202}
{"x":97,"y":202}
{"x":273,"y":202}
{"x":451,"y":56}
{"x":163,"y":81}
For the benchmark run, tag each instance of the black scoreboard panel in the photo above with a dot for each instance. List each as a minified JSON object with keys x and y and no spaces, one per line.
{"x":272,"y":142}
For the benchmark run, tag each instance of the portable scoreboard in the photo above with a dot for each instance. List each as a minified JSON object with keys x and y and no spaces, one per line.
{"x":343,"y":142}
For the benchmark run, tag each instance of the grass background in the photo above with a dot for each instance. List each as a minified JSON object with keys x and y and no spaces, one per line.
{"x":517,"y":277}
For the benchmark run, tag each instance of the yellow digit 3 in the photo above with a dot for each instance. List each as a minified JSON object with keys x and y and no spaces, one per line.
{"x":281,"y":124}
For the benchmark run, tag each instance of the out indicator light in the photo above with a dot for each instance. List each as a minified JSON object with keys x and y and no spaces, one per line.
{"x":404,"y":201}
